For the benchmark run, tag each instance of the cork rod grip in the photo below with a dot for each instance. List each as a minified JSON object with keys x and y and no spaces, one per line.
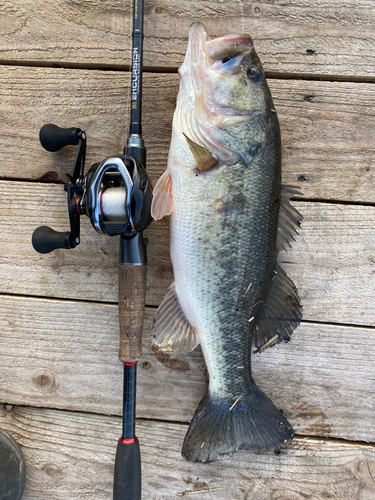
{"x":132,"y":291}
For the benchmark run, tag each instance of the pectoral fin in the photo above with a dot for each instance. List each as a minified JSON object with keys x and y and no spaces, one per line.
{"x":202,"y":156}
{"x":162,"y":201}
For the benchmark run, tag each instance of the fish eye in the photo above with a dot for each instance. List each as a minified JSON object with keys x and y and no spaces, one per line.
{"x":255,"y":74}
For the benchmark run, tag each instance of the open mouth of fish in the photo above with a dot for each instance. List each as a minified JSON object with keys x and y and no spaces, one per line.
{"x":206,"y":112}
{"x":203,"y":54}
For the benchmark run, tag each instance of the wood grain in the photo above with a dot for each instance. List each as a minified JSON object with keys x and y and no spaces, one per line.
{"x":61,"y":353}
{"x":64,"y":355}
{"x":71,"y":455}
{"x":131,"y":304}
{"x":328,"y":128}
{"x":291,"y":37}
{"x":332,"y":261}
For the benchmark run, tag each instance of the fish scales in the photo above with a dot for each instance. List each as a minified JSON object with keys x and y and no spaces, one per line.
{"x":221,"y":258}
{"x":223,"y":191}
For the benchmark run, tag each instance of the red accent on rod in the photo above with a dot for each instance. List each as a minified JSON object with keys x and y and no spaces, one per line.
{"x":128,"y":441}
{"x":130,"y":364}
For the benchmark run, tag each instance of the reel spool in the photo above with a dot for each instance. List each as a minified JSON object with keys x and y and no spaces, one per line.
{"x":115,"y":194}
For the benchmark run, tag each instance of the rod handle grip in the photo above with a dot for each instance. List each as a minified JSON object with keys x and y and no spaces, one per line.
{"x":46,"y":239}
{"x":127,"y":479}
{"x":53,"y":138}
{"x":132,"y":291}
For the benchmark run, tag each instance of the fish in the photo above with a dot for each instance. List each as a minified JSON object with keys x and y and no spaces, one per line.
{"x":229,"y":218}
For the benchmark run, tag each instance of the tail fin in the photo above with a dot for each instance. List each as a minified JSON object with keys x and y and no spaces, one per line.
{"x":220,"y":429}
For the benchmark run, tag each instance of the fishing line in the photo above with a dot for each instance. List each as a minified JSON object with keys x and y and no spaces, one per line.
{"x":242,"y":16}
{"x":127,"y":108}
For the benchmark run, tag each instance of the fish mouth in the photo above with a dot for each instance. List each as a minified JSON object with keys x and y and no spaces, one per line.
{"x":202,"y":53}
{"x":236,"y":39}
{"x":198,"y":112}
{"x":198,"y":30}
{"x":201,"y":47}
{"x":197,"y":27}
{"x":198,"y":37}
{"x":228,"y":45}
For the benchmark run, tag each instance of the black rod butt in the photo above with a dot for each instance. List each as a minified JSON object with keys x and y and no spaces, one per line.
{"x":127,"y":480}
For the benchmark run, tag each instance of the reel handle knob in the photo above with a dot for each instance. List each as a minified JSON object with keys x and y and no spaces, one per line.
{"x":53,"y":138}
{"x":46,"y":239}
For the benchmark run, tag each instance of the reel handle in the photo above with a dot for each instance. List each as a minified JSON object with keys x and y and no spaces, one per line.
{"x":53,"y":138}
{"x":46,"y":239}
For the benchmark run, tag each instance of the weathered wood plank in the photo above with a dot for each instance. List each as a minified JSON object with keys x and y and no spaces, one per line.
{"x":328,"y":129}
{"x":332,"y":261}
{"x":294,"y":37}
{"x":71,"y":455}
{"x":88,"y":272}
{"x":64,"y":355}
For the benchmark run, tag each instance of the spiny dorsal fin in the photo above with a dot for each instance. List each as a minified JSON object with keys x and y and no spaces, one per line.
{"x":202,"y":156}
{"x":162,"y":201}
{"x":289,"y":219}
{"x":281,"y":314}
{"x":171,"y":331}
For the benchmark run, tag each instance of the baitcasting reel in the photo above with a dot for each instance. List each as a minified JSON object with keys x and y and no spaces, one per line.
{"x":115,"y":194}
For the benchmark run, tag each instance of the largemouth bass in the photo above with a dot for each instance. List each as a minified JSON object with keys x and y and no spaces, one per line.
{"x":229,"y":218}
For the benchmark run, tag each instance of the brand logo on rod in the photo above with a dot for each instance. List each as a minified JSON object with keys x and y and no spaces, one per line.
{"x":136,"y":67}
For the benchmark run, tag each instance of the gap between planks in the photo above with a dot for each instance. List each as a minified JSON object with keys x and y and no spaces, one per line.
{"x":308,"y":438}
{"x":152,"y":307}
{"x":270,"y":75}
{"x":331,"y":201}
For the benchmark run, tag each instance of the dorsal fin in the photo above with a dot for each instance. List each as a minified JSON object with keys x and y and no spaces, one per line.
{"x":171,"y":331}
{"x":289,"y":219}
{"x":202,"y":156}
{"x":282,"y":311}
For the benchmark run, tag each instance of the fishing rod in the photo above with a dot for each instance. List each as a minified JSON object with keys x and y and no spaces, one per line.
{"x":116,"y":195}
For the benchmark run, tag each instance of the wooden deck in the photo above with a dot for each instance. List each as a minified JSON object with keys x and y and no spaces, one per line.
{"x":60,"y":382}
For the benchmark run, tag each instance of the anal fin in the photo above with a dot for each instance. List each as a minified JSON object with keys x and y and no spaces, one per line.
{"x":171,"y":331}
{"x":281,"y":314}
